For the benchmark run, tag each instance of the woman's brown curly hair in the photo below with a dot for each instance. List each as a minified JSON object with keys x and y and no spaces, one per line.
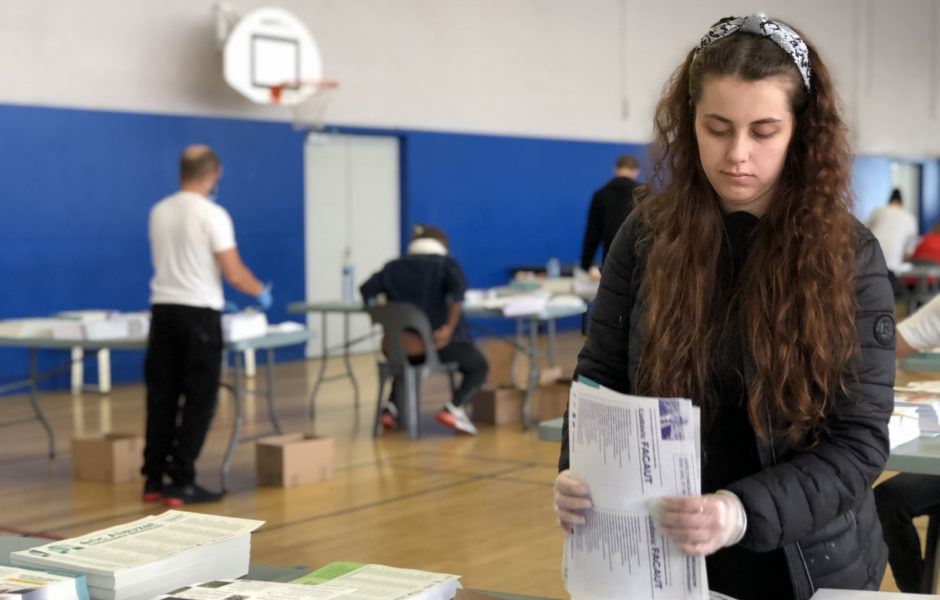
{"x":796,"y":294}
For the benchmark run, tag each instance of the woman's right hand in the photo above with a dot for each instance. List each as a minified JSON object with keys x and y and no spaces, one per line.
{"x":571,"y":499}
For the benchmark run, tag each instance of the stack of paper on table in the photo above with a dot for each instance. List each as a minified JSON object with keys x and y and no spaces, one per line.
{"x":33,"y":327}
{"x":285,"y":327}
{"x":99,"y":325}
{"x":247,"y":589}
{"x":244,"y":325}
{"x":26,"y":583}
{"x":566,"y":301}
{"x":138,"y":323}
{"x":904,"y":425}
{"x":378,"y":582}
{"x":629,"y":449}
{"x":922,"y":396}
{"x":519,"y":304}
{"x":70,"y":324}
{"x":585,"y":285}
{"x":150,"y":556}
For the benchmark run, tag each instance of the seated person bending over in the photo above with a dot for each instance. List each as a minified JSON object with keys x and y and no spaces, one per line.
{"x":433,"y":281}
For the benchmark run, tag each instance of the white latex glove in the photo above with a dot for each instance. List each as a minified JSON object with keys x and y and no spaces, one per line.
{"x":571,"y":498}
{"x":700,"y":525}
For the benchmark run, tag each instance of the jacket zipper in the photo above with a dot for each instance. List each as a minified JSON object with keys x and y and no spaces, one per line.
{"x":799,"y":549}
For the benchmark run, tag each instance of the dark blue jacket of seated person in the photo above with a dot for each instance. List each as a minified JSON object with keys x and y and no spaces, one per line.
{"x":430,"y":281}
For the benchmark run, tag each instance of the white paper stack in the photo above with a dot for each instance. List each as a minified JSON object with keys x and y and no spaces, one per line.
{"x":903,"y":425}
{"x":629,"y":449}
{"x":520,"y":304}
{"x":138,"y":323}
{"x":85,"y":316}
{"x":244,"y":325}
{"x":99,"y":325}
{"x":248,"y":589}
{"x":566,"y":301}
{"x":150,"y":556}
{"x":380,"y":582}
{"x":68,"y":329}
{"x":285,"y":327}
{"x":25,"y":583}
{"x":70,"y":324}
{"x":27,"y":328}
{"x":110,"y":329}
{"x":928,"y":411}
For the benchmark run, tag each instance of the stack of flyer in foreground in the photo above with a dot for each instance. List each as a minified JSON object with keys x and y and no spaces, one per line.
{"x":150,"y":556}
{"x":378,"y":582}
{"x":25,"y":583}
{"x":629,"y":449}
{"x":246,"y":589}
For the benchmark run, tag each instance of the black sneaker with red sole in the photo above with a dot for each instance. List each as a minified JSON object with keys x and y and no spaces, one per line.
{"x":180,"y":495}
{"x":153,"y":491}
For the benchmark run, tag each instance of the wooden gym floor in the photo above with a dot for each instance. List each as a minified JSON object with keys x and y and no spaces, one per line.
{"x":475,"y":506}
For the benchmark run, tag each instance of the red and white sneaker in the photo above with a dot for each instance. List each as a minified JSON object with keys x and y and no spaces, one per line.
{"x":389,"y":418}
{"x":456,"y":418}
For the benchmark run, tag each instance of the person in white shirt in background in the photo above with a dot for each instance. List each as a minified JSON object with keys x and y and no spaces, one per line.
{"x":192,"y":245}
{"x":896,"y":230}
{"x":908,"y":495}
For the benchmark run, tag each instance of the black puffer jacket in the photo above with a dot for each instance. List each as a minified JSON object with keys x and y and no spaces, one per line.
{"x":816,"y":505}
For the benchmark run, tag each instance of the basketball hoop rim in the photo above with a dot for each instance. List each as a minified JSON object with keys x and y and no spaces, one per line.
{"x":316,"y":84}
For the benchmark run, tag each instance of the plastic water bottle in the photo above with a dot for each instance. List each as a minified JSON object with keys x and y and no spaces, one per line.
{"x":349,"y":278}
{"x":553,"y":268}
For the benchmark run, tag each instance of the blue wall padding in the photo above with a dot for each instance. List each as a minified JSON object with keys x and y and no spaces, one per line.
{"x":871,"y":184}
{"x":77,"y":189}
{"x":78,"y":185}
{"x":505,"y":201}
{"x":929,"y":195}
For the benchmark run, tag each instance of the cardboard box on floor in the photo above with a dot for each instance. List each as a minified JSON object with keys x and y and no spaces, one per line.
{"x":499,"y":360}
{"x":109,"y":457}
{"x":293,"y":459}
{"x":552,"y":399}
{"x":498,"y":405}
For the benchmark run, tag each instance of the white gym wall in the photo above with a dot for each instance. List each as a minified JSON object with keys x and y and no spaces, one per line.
{"x":543,"y":68}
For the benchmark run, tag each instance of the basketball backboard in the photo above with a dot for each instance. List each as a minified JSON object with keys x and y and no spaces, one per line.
{"x":270,"y":47}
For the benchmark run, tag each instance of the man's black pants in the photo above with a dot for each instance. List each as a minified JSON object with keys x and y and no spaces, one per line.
{"x":899,"y":500}
{"x":471,"y":364}
{"x":181,"y":371}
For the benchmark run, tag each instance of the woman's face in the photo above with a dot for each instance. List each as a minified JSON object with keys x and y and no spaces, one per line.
{"x":743,"y":129}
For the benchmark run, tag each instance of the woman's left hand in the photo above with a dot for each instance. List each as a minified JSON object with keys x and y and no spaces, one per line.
{"x":700,"y":525}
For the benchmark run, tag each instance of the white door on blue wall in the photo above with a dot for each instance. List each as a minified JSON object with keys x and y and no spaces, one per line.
{"x":351,"y":200}
{"x":905,"y":176}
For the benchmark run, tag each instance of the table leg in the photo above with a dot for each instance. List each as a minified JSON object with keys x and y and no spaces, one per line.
{"x":78,"y":369}
{"x":270,"y":370}
{"x":251,"y":365}
{"x":533,"y":352}
{"x":520,"y":340}
{"x":237,"y":425}
{"x":104,"y":371}
{"x":323,"y":358}
{"x":346,"y":357}
{"x":551,"y":342}
{"x":35,"y":403}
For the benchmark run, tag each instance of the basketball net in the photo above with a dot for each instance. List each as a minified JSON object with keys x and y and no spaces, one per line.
{"x":307,"y":101}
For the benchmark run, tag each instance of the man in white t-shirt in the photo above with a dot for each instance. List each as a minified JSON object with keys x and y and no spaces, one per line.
{"x":895,"y":229}
{"x":192,"y":245}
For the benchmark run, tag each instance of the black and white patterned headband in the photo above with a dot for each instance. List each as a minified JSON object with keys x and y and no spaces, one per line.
{"x":779,"y":33}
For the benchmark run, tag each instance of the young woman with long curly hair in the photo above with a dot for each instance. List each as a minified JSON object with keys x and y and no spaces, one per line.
{"x":742,"y":281}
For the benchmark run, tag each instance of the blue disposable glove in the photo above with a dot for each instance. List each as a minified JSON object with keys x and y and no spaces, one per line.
{"x":264,"y":298}
{"x":230,"y":307}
